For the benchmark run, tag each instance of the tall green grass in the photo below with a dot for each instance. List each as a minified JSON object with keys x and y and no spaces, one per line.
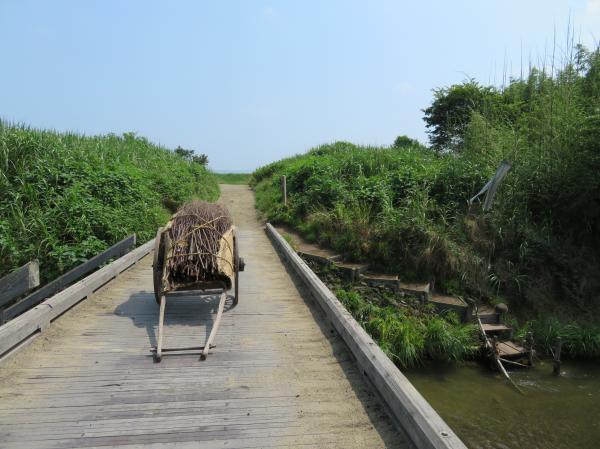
{"x":66,"y":197}
{"x":411,"y":335}
{"x":577,"y":340}
{"x":405,"y":209}
{"x":399,"y":209}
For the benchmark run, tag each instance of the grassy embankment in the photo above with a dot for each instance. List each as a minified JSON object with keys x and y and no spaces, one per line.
{"x":405,"y":209}
{"x":233,"y":178}
{"x":66,"y":197}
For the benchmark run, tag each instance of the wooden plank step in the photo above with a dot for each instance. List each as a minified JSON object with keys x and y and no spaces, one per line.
{"x":449,"y":303}
{"x":493,"y":328}
{"x":352,"y":270}
{"x":421,"y":290}
{"x":447,"y":299}
{"x":360,"y":267}
{"x":320,"y":256}
{"x":510,"y":349}
{"x":487,"y":314}
{"x":381,"y":280}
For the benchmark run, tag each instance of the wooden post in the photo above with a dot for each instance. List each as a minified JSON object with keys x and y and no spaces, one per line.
{"x":284,"y":189}
{"x":529,"y":344}
{"x":557,"y":350}
{"x":19,"y":282}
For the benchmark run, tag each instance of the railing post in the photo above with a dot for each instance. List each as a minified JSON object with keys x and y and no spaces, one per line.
{"x":556,"y":370}
{"x":18,"y":282}
{"x":529,"y":344}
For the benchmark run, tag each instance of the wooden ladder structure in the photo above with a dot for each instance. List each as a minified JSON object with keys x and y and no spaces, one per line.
{"x":498,"y":342}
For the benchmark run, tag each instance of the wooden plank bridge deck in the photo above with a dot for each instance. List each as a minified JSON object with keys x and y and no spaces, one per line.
{"x":279,"y":376}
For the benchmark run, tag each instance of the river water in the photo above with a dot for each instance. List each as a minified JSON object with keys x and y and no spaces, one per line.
{"x":488,"y":413}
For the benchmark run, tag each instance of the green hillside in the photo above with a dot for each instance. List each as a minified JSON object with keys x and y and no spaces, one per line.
{"x":66,"y":197}
{"x":405,"y":208}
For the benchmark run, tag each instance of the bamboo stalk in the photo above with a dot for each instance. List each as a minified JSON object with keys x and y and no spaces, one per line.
{"x":497,"y":360}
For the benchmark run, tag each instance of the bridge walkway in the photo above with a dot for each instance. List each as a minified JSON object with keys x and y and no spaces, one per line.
{"x":279,"y":376}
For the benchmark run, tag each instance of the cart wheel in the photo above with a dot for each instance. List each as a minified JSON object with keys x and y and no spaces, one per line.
{"x":158,"y":265}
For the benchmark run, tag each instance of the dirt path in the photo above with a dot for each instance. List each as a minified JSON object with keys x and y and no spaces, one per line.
{"x":279,"y":376}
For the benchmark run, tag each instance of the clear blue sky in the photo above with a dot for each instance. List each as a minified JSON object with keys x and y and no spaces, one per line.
{"x":249,"y":82}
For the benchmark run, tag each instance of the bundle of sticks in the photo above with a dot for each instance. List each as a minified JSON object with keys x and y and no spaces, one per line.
{"x":196,"y":232}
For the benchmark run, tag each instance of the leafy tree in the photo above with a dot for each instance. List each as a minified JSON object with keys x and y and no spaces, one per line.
{"x":186,"y":154}
{"x":404,"y":141}
{"x":189,"y":155}
{"x":201,"y":159}
{"x":450,"y":113}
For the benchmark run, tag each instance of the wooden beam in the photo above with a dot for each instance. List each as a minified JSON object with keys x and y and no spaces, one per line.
{"x":39,"y":317}
{"x":410,"y":410}
{"x":19,"y":282}
{"x":284,"y":189}
{"x":51,"y":288}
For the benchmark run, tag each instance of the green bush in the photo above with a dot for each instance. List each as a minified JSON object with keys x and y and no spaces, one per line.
{"x":66,"y":197}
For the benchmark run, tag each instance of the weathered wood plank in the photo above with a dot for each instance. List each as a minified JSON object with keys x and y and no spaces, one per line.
{"x":55,"y":286}
{"x":417,"y":418}
{"x":19,"y":282}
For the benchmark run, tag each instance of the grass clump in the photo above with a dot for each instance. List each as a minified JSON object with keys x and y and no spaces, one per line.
{"x":577,"y":340}
{"x":412,"y":334}
{"x":66,"y":197}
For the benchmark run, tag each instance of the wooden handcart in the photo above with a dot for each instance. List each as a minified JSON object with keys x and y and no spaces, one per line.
{"x":233,"y":265}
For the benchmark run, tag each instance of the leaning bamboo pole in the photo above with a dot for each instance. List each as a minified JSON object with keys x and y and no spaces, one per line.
{"x":493,"y":351}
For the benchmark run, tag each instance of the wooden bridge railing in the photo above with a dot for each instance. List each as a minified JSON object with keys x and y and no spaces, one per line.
{"x":17,"y":331}
{"x":27,"y":277}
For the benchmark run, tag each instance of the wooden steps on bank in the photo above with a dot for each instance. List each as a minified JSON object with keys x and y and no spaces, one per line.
{"x":500,"y":334}
{"x":496,"y":336}
{"x":361,"y":272}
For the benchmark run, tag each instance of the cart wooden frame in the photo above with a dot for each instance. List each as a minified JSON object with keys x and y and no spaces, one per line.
{"x":162,"y":247}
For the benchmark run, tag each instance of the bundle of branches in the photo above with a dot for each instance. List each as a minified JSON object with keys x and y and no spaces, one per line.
{"x":196,"y":232}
